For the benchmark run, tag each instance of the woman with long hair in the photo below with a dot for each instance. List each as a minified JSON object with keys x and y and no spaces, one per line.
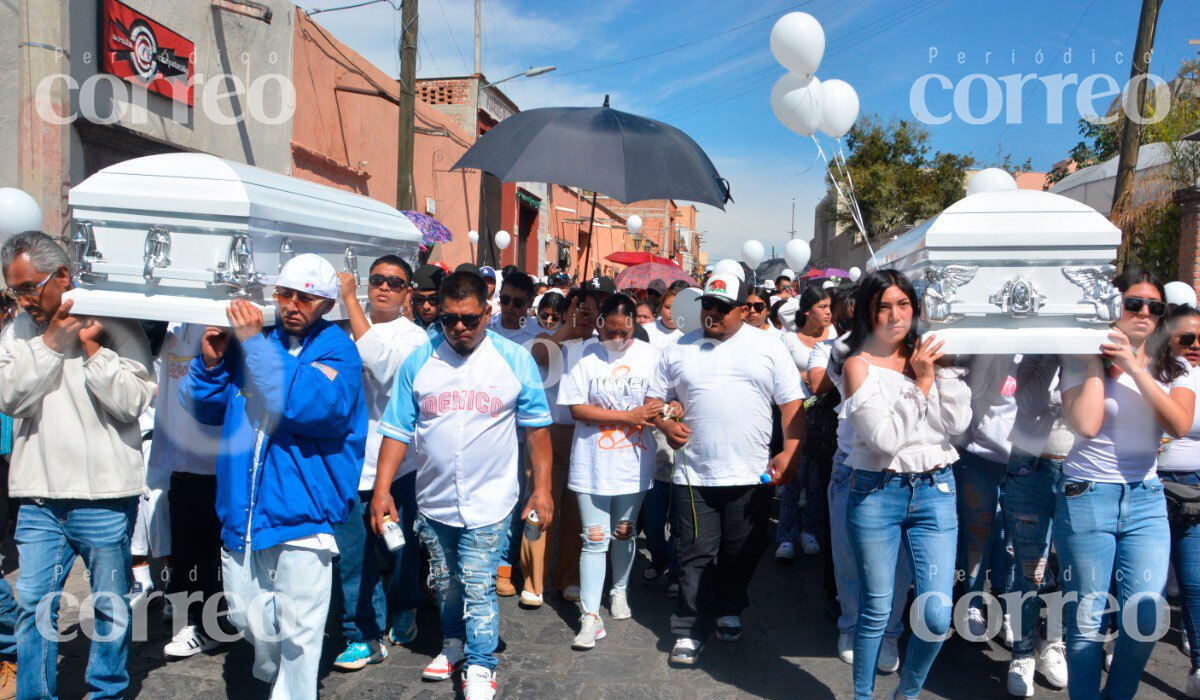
{"x":1110,"y":521}
{"x":612,"y":457}
{"x":1179,"y":462}
{"x":814,"y":321}
{"x":904,"y":406}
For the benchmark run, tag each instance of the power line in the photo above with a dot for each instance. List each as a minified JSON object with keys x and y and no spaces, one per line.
{"x":351,"y":7}
{"x":451,"y":31}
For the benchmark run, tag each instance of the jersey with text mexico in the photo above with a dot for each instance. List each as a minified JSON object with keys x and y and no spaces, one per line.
{"x":461,"y":414}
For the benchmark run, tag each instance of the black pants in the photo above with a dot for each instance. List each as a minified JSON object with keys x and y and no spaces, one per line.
{"x":195,"y":539}
{"x":716,"y":565}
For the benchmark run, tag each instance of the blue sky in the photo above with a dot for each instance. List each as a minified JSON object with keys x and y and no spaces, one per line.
{"x":717,"y":89}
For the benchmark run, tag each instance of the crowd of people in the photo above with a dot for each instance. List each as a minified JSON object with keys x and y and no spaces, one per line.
{"x":477,"y":433}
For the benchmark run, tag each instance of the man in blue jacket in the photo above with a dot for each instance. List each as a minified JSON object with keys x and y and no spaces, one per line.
{"x":294,"y":421}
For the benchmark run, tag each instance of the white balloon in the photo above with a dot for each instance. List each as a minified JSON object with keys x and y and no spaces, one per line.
{"x":797,"y":253}
{"x":18,"y":212}
{"x":473,"y":237}
{"x":1180,"y":293}
{"x":798,"y":42}
{"x":753,"y":253}
{"x":829,"y":285}
{"x":839,"y":107}
{"x":634,"y":224}
{"x":503,"y":239}
{"x":730,"y":266}
{"x":855,"y":273}
{"x":685,"y":310}
{"x":796,"y":101}
{"x":990,"y":180}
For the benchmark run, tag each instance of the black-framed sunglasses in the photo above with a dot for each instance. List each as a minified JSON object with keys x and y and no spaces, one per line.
{"x":757,"y":306}
{"x":549,"y":316}
{"x":469,"y":321}
{"x":710,"y":303}
{"x":1134,"y":305}
{"x":509,"y":300}
{"x":394,"y":282}
{"x":431,"y":299}
{"x":1186,"y":340}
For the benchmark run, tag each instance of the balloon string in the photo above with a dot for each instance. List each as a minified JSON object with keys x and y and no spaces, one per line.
{"x":854,"y":213}
{"x":853,"y":195}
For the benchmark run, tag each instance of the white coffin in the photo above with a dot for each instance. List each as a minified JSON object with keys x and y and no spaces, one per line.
{"x":1018,"y":271}
{"x":174,"y":237}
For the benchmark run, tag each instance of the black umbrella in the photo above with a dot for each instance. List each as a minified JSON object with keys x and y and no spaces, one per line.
{"x":622,"y":155}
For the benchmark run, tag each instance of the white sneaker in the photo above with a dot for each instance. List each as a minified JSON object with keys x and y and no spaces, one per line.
{"x":1006,"y":632}
{"x":591,"y":628}
{"x":846,"y":646}
{"x":889,"y":656}
{"x":530,"y":599}
{"x":1193,"y":685}
{"x":442,"y":667}
{"x":809,"y":543}
{"x":976,"y":625}
{"x":571,"y":594}
{"x":618,"y":604}
{"x":1052,"y":662}
{"x":786,"y":551}
{"x":479,"y":683}
{"x":1020,"y":677}
{"x":189,"y":642}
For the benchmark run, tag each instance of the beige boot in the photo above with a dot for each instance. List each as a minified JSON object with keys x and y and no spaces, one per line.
{"x":504,"y":587}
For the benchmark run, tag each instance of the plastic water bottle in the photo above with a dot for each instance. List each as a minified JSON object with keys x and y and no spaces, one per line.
{"x":393,"y":534}
{"x":764,"y":478}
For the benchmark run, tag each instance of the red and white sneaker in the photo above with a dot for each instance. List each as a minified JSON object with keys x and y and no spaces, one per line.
{"x":480,"y":683}
{"x":441,"y":668}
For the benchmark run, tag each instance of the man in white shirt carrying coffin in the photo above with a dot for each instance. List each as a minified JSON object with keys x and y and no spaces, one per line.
{"x":459,"y":399}
{"x":726,"y":375}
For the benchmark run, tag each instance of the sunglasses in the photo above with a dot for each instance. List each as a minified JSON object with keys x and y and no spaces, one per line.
{"x":1134,"y":304}
{"x":757,"y":306}
{"x":299,"y":297}
{"x":549,"y":316}
{"x":393,"y":281}
{"x":431,"y":299}
{"x":469,"y":321}
{"x":709,"y":303}
{"x":1187,"y":340}
{"x":506,"y":300}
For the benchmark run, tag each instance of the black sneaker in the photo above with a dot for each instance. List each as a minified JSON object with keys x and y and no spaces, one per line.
{"x":686,"y":652}
{"x":729,"y":628}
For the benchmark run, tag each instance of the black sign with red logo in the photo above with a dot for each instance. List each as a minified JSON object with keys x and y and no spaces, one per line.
{"x":146,"y":53}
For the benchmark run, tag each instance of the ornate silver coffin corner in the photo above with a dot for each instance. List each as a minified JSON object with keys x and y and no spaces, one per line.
{"x":238,"y":269}
{"x":1018,"y":297}
{"x":156,"y":251}
{"x":941,"y":290}
{"x":286,"y":253}
{"x":1096,"y":283}
{"x":350,"y":260}
{"x":84,"y":252}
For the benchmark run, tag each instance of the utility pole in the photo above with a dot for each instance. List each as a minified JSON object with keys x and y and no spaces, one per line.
{"x":792,"y":230}
{"x":408,"y":97}
{"x":1131,"y":130}
{"x":478,"y":40}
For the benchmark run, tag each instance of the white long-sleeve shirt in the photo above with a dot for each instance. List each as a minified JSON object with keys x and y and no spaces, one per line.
{"x":899,"y":428}
{"x":383,"y":348}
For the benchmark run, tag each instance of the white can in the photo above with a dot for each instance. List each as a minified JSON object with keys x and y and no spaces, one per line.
{"x":393,"y":534}
{"x":532,"y":531}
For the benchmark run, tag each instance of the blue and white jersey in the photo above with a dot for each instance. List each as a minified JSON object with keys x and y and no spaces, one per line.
{"x":461,"y":414}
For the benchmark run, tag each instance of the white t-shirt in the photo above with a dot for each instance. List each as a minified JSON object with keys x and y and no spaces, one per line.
{"x":383,"y":348}
{"x":727,"y":389}
{"x":659,"y":334}
{"x":520,"y":336}
{"x":561,"y":361}
{"x":181,"y":443}
{"x":1126,"y":448}
{"x":610,"y":460}
{"x":1183,"y":455}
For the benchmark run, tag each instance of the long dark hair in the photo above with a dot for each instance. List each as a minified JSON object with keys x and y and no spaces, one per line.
{"x":866,"y":300}
{"x":1164,"y":366}
{"x":810,"y":297}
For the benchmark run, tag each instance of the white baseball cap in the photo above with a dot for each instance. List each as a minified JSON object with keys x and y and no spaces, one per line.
{"x":787,"y":272}
{"x":725,"y":286}
{"x":311,"y":274}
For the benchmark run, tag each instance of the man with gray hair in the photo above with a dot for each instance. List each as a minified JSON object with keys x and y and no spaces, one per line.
{"x":75,"y":388}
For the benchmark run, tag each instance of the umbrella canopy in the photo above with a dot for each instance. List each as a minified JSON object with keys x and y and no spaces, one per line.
{"x":836,"y":272}
{"x":625,"y":156}
{"x":814,"y":274}
{"x":629,"y":258}
{"x":432,"y":230}
{"x":640,"y":276}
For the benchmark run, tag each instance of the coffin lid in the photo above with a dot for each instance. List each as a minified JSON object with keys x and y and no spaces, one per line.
{"x":1025,"y":218}
{"x":207,"y":186}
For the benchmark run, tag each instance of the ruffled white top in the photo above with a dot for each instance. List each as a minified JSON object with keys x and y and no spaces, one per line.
{"x":898,"y":428}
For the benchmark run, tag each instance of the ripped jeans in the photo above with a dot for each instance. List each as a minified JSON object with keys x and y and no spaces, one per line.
{"x":609,"y":527}
{"x":462,"y":570}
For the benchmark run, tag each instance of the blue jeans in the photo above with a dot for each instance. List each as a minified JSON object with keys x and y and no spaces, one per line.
{"x":887,"y":510}
{"x":462,"y":569}
{"x":983,"y":555}
{"x":512,"y":553}
{"x":656,"y":512}
{"x":609,"y":527}
{"x":8,"y":622}
{"x":791,"y":507}
{"x":1029,"y":500}
{"x":845,"y":570}
{"x":50,"y":534}
{"x":1185,"y":555}
{"x":1106,"y":532}
{"x":366,"y":607}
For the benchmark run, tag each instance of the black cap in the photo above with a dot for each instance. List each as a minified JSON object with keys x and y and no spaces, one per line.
{"x":468,"y":267}
{"x":559,"y":278}
{"x":602,"y":284}
{"x":428,"y":278}
{"x":657,"y":285}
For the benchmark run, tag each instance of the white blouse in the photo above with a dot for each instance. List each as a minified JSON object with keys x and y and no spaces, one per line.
{"x":898,"y":428}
